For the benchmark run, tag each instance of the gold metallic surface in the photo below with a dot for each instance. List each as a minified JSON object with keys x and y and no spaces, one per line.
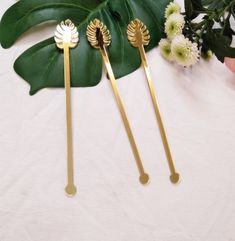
{"x":66,"y":37}
{"x":139,"y":36}
{"x":92,"y":34}
{"x":99,"y":37}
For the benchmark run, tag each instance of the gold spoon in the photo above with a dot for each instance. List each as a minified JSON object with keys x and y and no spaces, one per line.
{"x":139,"y":36}
{"x":66,"y":37}
{"x":99,"y":37}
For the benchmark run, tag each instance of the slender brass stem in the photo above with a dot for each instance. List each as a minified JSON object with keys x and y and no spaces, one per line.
{"x":144,"y":178}
{"x":174,"y":175}
{"x":70,"y":188}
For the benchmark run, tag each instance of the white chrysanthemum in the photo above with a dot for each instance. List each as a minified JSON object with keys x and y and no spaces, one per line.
{"x":172,"y":8}
{"x":165,"y":49}
{"x":174,"y":25}
{"x":184,"y":52}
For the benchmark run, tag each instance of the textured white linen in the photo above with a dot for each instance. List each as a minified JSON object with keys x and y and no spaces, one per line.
{"x":198,"y":107}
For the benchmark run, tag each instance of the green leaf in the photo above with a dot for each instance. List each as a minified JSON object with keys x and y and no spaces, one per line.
{"x":42,"y":65}
{"x":192,"y":8}
{"x":216,"y":4}
{"x":219,"y":44}
{"x":28,"y":13}
{"x":227,"y":30}
{"x":188,"y":9}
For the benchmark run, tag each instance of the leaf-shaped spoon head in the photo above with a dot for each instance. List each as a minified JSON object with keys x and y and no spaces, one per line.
{"x":138,"y":34}
{"x":98,"y":34}
{"x":66,"y":34}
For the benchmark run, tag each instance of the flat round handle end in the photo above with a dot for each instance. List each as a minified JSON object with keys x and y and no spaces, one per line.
{"x":175,"y":178}
{"x":71,"y":191}
{"x":144,"y":179}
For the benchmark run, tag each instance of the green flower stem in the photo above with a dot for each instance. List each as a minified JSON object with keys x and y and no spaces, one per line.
{"x":229,"y":8}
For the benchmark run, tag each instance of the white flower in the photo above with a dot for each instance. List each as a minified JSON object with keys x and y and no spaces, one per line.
{"x":174,"y":25}
{"x":172,"y":8}
{"x":165,"y":49}
{"x":184,"y":52}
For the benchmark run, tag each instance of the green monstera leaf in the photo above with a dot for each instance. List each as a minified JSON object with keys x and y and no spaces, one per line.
{"x":42,"y":65}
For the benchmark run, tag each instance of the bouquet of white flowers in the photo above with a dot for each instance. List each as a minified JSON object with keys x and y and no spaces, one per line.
{"x":203,"y":29}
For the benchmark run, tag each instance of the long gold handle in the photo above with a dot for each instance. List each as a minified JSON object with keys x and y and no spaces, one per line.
{"x":70,"y":188}
{"x":144,"y":178}
{"x":174,"y":175}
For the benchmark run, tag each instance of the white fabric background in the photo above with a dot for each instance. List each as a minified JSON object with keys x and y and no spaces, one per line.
{"x":198,"y":106}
